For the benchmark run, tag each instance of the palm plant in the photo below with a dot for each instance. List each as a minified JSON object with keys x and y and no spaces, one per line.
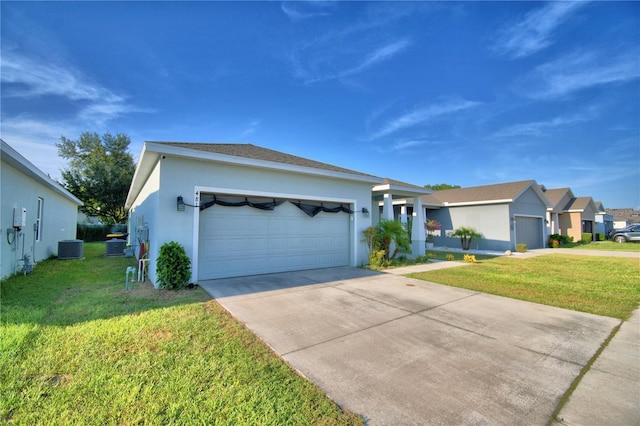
{"x":390,"y":231}
{"x":466,"y":235}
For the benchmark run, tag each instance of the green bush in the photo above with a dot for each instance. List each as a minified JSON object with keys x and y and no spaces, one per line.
{"x":561,"y":239}
{"x":377,"y":258}
{"x":173,"y":267}
{"x":601,"y":237}
{"x":521,"y":248}
{"x":587,"y":237}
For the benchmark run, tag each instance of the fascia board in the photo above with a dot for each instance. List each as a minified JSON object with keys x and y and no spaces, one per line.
{"x":250,"y":162}
{"x":146,"y":163}
{"x":477,"y":203}
{"x":16,"y":160}
{"x":400,"y":190}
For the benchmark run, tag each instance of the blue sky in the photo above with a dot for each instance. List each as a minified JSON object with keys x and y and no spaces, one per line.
{"x":467,"y":93}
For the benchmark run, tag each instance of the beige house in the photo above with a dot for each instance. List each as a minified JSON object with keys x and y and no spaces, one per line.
{"x":570,"y":215}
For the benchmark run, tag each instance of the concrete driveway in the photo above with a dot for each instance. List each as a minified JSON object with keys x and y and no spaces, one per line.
{"x":400,"y":351}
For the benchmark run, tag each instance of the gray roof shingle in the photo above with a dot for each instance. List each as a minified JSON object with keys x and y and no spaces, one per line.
{"x":259,"y":153}
{"x":500,"y":191}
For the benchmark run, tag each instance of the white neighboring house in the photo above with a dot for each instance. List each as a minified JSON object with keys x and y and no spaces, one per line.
{"x":603,"y":220}
{"x":45,"y":213}
{"x":304,"y":214}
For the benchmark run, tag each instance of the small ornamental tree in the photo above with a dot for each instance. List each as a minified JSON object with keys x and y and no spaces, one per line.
{"x":466,"y":235}
{"x":390,"y":231}
{"x":174,"y":266}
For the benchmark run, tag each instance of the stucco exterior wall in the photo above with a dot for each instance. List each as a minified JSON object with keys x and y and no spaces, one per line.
{"x":59,"y":219}
{"x":491,"y":220}
{"x":175,"y":176}
{"x":145,"y":213}
{"x":573,"y":225}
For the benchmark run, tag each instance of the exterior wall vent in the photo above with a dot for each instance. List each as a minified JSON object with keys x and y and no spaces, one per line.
{"x":70,"y":249}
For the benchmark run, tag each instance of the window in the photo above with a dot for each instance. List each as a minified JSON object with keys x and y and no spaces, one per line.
{"x":39,"y":219}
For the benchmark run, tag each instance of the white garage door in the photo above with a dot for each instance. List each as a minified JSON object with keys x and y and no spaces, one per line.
{"x":238,"y":241}
{"x":529,"y":232}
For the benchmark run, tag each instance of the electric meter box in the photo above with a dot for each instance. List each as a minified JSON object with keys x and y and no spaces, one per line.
{"x":19,"y":218}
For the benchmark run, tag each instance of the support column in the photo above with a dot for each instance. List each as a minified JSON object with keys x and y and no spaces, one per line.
{"x":556,"y":226}
{"x":418,"y":236}
{"x":387,"y":208}
{"x":403,"y":214}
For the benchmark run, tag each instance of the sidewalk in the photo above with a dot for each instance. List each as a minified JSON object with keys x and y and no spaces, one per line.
{"x":609,"y":393}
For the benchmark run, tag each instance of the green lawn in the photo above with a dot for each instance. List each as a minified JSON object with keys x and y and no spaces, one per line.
{"x":77,"y":349}
{"x":600,"y":285}
{"x":606,"y":245}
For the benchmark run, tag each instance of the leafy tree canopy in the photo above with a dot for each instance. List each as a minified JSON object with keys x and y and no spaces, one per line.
{"x":442,"y":186}
{"x":100,"y":173}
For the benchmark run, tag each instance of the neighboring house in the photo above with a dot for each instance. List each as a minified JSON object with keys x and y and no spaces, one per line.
{"x":570,"y":215}
{"x":505,"y":214}
{"x":603,"y":220}
{"x":35,"y":212}
{"x":239,"y":209}
{"x":624,"y":217}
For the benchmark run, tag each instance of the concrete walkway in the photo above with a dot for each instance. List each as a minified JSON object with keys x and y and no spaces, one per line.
{"x":401,"y":351}
{"x":609,"y":393}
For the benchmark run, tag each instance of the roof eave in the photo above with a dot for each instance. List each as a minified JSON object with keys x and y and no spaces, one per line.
{"x":265,"y":164}
{"x":16,"y":160}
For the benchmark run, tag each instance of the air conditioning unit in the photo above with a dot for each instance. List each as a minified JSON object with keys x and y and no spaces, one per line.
{"x":70,"y":249}
{"x":116,"y":247}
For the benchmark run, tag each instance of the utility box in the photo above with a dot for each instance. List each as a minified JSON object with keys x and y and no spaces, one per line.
{"x":70,"y":249}
{"x":116,"y":247}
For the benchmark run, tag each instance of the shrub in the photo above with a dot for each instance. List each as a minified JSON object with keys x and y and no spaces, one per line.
{"x":377,"y":258}
{"x":521,"y":248}
{"x":471,"y":258}
{"x":555,"y":243}
{"x":587,"y":237}
{"x":561,"y":239}
{"x":173,"y":267}
{"x":390,"y":231}
{"x":449,"y":257}
{"x":431,"y":255}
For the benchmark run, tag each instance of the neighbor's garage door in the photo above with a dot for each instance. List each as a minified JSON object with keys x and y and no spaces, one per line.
{"x":529,"y":232}
{"x":237,"y":241}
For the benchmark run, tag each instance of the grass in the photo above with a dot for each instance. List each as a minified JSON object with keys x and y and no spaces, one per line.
{"x":77,"y":348}
{"x":605,"y":245}
{"x":600,"y":285}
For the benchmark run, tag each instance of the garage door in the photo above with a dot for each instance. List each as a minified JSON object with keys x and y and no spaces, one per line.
{"x":529,"y":232}
{"x":238,"y":241}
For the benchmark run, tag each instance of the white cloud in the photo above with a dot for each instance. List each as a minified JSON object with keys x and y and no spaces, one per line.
{"x":31,"y":77}
{"x":303,"y":10}
{"x":534,"y":32}
{"x":578,"y":71}
{"x":539,"y":128}
{"x":250,"y":129}
{"x":348,"y":51}
{"x":380,"y":54}
{"x":421,"y":116}
{"x":35,"y":140}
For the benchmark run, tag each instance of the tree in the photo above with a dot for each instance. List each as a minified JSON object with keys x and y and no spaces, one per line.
{"x":442,"y":186}
{"x":466,"y":235}
{"x":99,"y":174}
{"x":390,"y":231}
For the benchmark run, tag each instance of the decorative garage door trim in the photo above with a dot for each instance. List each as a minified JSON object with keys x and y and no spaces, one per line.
{"x":310,"y":208}
{"x":331,"y":252}
{"x":529,"y":231}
